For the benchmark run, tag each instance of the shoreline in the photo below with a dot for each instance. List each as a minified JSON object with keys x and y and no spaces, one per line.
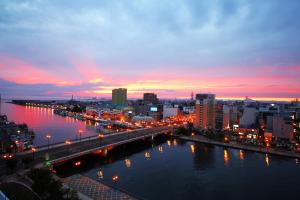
{"x":89,"y":188}
{"x":242,"y":147}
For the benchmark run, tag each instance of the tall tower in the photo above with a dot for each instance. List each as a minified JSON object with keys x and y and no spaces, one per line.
{"x":119,"y":96}
{"x":205,"y":111}
{"x":192,"y":96}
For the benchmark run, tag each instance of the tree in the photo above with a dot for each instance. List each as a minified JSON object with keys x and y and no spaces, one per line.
{"x":11,"y":164}
{"x":26,"y":161}
{"x":49,"y":188}
{"x":190,"y":127}
{"x":297,"y":134}
{"x":181,"y":131}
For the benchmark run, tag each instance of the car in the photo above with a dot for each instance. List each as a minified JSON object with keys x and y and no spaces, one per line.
{"x":7,"y":156}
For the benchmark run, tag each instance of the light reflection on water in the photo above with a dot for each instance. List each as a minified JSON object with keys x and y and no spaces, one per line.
{"x":242,"y":155}
{"x":191,"y":170}
{"x":43,"y":121}
{"x":267,"y":159}
{"x":226,"y":157}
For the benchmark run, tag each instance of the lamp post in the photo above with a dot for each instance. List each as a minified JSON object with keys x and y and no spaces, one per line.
{"x":33,"y":151}
{"x":80,"y":132}
{"x":48,"y":136}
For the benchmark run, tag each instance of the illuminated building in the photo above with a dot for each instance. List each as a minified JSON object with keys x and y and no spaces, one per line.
{"x":142,"y":118}
{"x":222,"y":116}
{"x":119,"y":96}
{"x":152,"y":106}
{"x":205,"y":111}
{"x":156,"y":112}
{"x":91,"y":113}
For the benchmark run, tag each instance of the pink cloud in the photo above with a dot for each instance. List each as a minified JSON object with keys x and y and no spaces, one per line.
{"x":229,"y":81}
{"x":18,"y":71}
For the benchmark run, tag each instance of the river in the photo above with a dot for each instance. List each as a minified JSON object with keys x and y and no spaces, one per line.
{"x":43,"y":121}
{"x":175,"y":169}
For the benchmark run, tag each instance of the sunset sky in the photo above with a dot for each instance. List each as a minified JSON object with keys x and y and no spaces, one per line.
{"x":56,"y":48}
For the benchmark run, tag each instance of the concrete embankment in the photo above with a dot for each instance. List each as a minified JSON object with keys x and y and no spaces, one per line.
{"x":92,"y":189}
{"x":243,"y":147}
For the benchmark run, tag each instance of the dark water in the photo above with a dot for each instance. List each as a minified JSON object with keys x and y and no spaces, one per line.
{"x":188,"y":170}
{"x":43,"y":121}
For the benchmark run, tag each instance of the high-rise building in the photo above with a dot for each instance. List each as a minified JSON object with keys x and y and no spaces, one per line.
{"x":150,"y":98}
{"x":139,"y":107}
{"x":222,"y":116}
{"x":119,"y":96}
{"x":156,"y":111}
{"x":205,"y":111}
{"x":233,"y":115}
{"x":249,"y":118}
{"x":282,"y":128}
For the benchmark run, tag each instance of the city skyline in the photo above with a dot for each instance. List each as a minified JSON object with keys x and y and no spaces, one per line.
{"x":230,"y":48}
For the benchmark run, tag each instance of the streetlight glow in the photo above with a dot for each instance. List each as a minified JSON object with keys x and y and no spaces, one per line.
{"x":48,"y":136}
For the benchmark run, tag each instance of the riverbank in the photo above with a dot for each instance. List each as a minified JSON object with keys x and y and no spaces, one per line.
{"x":201,"y":139}
{"x":14,"y":137}
{"x":94,"y":189}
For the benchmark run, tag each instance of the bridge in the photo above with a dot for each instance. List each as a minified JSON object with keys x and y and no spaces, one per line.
{"x":62,"y":152}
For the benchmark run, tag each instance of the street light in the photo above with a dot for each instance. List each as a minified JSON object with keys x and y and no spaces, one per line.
{"x":80,"y":132}
{"x":48,"y":136}
{"x":33,"y":151}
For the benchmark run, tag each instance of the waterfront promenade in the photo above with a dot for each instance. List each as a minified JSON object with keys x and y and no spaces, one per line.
{"x":202,"y":139}
{"x":94,"y":189}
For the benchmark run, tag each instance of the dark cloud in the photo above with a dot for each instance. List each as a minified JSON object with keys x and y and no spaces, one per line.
{"x":48,"y":33}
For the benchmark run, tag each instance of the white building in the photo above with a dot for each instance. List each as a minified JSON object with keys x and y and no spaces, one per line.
{"x":249,"y":117}
{"x":170,"y":111}
{"x":189,"y":110}
{"x":139,"y":118}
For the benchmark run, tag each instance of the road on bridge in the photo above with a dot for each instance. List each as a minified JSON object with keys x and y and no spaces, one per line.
{"x":72,"y":150}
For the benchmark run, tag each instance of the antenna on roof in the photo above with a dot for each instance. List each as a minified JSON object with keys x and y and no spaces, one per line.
{"x":192,"y":96}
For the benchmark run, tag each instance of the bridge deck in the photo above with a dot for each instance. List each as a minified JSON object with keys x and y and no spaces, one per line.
{"x":61,"y":153}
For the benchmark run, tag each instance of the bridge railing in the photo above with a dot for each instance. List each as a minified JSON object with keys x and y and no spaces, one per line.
{"x":73,"y":141}
{"x":84,"y":139}
{"x":64,"y":142}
